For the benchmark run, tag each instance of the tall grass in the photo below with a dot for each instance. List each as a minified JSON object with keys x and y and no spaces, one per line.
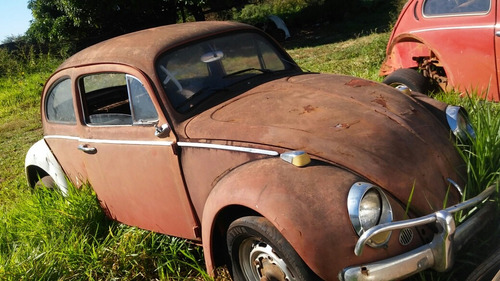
{"x":48,"y":236}
{"x":482,"y":154}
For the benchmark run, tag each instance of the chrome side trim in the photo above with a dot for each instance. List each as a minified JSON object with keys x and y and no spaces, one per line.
{"x":453,"y":28}
{"x":104,"y":141}
{"x":61,"y":137}
{"x":130,"y":142}
{"x":228,"y":147}
{"x":169,"y":143}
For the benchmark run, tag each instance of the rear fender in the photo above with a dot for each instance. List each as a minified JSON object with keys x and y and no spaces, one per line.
{"x":40,"y":161}
{"x":401,"y":52}
{"x":307,"y":205}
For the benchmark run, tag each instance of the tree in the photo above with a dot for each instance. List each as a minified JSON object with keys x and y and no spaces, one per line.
{"x":80,"y":23}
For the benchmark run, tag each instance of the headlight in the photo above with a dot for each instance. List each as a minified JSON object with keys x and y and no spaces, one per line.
{"x":368,"y":206}
{"x":459,"y":123}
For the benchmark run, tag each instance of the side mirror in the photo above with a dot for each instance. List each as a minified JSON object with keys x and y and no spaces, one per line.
{"x":162,"y":131}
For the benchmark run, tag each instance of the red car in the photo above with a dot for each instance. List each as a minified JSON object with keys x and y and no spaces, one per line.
{"x":452,"y":44}
{"x":209,"y":131}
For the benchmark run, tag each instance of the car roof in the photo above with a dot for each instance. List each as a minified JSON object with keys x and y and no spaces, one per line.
{"x":140,"y":48}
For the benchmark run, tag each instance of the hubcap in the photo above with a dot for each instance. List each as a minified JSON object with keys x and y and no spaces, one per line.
{"x":259,"y":261}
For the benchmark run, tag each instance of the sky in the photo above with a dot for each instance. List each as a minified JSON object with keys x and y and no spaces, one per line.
{"x":15,"y":18}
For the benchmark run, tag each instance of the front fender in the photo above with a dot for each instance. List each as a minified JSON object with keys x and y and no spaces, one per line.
{"x":307,"y":205}
{"x":40,"y":157}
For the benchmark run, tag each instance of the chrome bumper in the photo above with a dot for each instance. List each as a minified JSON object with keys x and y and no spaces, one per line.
{"x":438,"y":254}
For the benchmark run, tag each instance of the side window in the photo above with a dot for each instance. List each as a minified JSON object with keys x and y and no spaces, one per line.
{"x":455,"y":7}
{"x":59,"y":104}
{"x":143,"y":109}
{"x":115,"y":99}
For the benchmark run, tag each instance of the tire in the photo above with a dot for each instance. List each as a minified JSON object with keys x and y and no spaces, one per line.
{"x":410,"y":79}
{"x":47,"y":182}
{"x":258,"y":251}
{"x":488,"y":270}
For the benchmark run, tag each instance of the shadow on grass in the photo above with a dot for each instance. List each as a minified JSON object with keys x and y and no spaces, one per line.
{"x":378,"y":17}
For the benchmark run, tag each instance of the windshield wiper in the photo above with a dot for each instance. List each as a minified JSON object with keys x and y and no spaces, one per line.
{"x":263,"y":70}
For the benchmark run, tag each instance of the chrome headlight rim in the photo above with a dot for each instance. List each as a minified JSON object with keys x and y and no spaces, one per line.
{"x":458,"y":121}
{"x":355,"y":198}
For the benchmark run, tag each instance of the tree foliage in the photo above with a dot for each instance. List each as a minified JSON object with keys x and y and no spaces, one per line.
{"x":76,"y":24}
{"x":79,"y":23}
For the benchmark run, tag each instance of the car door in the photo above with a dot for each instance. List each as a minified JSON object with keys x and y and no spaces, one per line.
{"x":135,"y":173}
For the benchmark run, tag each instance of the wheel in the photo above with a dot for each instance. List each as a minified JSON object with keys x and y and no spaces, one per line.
{"x":410,"y":79}
{"x":259,"y":252}
{"x":488,"y":270}
{"x":47,"y":182}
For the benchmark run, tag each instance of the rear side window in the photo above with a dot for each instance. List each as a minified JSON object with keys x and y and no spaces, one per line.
{"x":455,"y":7}
{"x":59,"y":105}
{"x":116,"y":99}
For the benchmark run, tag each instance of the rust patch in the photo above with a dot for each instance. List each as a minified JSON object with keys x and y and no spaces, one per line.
{"x":359,"y":83}
{"x":380,"y":100}
{"x":308,"y":109}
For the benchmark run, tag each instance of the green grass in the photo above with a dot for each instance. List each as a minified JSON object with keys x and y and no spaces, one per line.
{"x":48,"y":236}
{"x":45,"y":236}
{"x":482,"y":155}
{"x":361,"y":56}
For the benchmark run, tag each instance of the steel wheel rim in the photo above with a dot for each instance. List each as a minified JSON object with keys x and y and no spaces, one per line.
{"x":258,"y":261}
{"x":401,"y":87}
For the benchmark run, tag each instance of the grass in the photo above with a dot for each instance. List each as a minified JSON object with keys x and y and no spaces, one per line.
{"x":45,"y":236}
{"x":361,"y":56}
{"x":482,"y":156}
{"x":48,"y":236}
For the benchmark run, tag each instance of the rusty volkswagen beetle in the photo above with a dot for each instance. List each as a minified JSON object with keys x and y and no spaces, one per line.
{"x":209,"y":131}
{"x":453,"y":44}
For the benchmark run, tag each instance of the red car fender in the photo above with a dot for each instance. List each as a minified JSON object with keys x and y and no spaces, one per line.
{"x":307,"y":205}
{"x":401,"y":51}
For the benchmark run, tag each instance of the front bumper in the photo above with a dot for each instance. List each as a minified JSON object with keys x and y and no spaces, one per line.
{"x":439,"y":254}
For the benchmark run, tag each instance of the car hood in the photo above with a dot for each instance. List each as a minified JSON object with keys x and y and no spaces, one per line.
{"x":365,"y":127}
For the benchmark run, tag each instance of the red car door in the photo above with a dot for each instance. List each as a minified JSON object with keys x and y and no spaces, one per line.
{"x":135,"y":174}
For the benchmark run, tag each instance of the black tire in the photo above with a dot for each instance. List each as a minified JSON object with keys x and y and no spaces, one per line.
{"x":47,"y":182}
{"x":251,"y":239}
{"x":488,"y":270}
{"x":410,"y":78}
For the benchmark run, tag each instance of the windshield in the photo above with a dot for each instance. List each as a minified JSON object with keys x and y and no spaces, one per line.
{"x":193,"y":73}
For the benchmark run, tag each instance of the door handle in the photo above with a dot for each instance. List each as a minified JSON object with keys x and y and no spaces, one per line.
{"x":87,"y":149}
{"x":497,"y":33}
